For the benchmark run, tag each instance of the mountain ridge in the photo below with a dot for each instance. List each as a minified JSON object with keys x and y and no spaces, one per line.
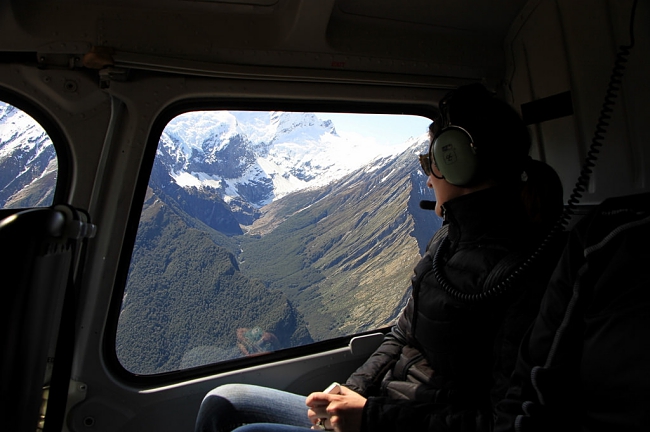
{"x":275,"y":152}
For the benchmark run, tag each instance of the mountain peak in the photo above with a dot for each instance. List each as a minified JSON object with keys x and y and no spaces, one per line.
{"x":258,"y":157}
{"x":293,"y":126}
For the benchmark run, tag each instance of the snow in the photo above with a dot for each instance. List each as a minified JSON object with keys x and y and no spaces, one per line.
{"x":19,"y":132}
{"x":290,"y":150}
{"x":294,"y":150}
{"x":186,"y":180}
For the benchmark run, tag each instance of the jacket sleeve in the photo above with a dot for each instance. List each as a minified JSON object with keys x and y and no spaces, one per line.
{"x":520,"y":315}
{"x":366,"y":380}
{"x":522,"y":408}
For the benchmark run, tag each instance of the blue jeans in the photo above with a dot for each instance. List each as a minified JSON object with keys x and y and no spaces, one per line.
{"x":232,"y":405}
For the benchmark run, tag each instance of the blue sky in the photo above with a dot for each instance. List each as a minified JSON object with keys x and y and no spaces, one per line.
{"x":387,"y":129}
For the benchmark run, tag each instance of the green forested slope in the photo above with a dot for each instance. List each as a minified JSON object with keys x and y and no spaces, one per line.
{"x":187,"y":303}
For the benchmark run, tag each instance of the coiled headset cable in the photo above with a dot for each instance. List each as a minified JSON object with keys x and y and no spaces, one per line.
{"x":580,"y":187}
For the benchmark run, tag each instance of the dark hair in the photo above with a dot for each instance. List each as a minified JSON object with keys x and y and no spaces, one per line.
{"x":541,"y":193}
{"x":502,"y":145}
{"x":500,"y":136}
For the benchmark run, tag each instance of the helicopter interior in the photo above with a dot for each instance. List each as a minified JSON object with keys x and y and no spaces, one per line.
{"x":118,"y":85}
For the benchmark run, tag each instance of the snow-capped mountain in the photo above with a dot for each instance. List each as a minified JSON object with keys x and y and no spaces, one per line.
{"x":243,"y":159}
{"x":28,"y":165}
{"x":258,"y":157}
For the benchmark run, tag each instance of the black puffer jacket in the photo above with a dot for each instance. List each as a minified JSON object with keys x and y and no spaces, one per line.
{"x":445,"y":363}
{"x":585,"y":364}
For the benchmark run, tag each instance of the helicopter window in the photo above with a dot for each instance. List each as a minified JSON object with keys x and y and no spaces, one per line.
{"x":28,"y":162}
{"x":262,"y":231}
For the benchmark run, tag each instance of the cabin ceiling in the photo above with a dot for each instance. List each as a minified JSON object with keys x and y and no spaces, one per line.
{"x":463,"y":38}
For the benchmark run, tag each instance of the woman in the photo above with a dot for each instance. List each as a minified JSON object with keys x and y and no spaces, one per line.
{"x":446,"y":362}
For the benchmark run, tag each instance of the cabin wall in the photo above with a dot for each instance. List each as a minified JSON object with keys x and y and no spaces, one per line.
{"x":559,"y":46}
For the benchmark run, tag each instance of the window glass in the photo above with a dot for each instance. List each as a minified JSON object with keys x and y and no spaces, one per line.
{"x":262,"y":231}
{"x":28,"y":164}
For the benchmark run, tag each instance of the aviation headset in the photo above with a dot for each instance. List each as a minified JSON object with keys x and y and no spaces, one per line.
{"x":454,"y":154}
{"x":452,"y":149}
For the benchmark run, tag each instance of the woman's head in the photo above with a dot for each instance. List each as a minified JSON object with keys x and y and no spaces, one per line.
{"x":484,"y":138}
{"x":479,"y":141}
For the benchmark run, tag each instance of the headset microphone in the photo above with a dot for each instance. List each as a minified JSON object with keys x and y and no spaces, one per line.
{"x":427,"y":205}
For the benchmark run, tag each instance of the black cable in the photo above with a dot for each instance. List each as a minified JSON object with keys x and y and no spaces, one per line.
{"x":580,"y":187}
{"x":613,"y":89}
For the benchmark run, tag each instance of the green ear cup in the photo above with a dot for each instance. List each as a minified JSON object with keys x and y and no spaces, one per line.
{"x":455,"y":156}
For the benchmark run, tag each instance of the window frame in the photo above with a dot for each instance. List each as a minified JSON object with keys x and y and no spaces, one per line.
{"x":213,"y":104}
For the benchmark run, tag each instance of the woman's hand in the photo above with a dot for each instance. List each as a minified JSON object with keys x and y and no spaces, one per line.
{"x":342,"y":412}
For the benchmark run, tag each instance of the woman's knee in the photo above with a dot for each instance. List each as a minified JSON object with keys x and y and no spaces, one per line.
{"x":238,"y":394}
{"x":230,"y":391}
